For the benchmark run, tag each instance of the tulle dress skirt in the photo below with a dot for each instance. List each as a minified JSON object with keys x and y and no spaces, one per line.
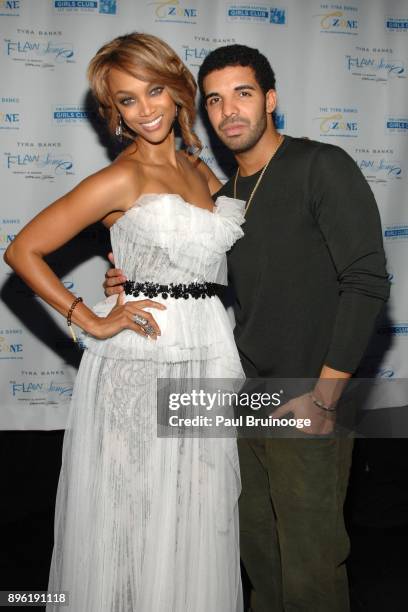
{"x":146,"y":523}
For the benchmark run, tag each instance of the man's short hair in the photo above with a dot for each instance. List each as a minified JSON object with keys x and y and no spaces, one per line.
{"x":238,"y":55}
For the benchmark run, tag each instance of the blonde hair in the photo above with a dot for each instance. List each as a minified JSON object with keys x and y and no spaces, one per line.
{"x":145,"y":56}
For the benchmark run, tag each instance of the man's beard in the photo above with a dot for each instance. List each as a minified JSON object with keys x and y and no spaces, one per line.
{"x":251,"y":139}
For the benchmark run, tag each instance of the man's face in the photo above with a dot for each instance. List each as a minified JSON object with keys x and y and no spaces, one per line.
{"x":237,"y":108}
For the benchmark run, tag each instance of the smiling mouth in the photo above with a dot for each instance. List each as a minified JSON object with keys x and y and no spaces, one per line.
{"x":152,"y":124}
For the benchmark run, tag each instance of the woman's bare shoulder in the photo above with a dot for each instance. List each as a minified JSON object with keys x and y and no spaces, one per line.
{"x":124,"y":174}
{"x":121,"y":176}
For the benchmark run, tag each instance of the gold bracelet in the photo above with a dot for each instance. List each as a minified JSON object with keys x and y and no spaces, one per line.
{"x":69,"y":322}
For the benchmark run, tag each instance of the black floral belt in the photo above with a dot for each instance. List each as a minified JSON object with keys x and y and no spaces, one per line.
{"x":196,"y":290}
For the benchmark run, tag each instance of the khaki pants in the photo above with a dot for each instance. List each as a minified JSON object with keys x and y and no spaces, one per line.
{"x":293,"y":540}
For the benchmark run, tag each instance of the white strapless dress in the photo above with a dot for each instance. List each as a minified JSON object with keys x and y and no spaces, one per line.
{"x":148,"y":524}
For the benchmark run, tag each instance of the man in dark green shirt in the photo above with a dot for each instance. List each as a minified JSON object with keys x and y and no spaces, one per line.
{"x":309,"y":281}
{"x":309,"y":274}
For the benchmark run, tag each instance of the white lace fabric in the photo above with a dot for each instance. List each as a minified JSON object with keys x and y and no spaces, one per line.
{"x":163,"y":239}
{"x":142,"y":523}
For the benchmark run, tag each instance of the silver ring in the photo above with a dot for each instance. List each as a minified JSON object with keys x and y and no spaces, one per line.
{"x":149,"y":329}
{"x":137,"y":318}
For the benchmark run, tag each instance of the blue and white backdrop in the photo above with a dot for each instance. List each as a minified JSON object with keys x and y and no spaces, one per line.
{"x":341,"y":78}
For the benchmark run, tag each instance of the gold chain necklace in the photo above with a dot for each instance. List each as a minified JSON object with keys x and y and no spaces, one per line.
{"x":260,"y":177}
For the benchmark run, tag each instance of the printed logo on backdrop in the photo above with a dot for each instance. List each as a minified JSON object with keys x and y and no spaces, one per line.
{"x":175,"y":11}
{"x":194,"y":53}
{"x":396,"y":232}
{"x":396,"y":125}
{"x":39,"y":49}
{"x":41,"y":388}
{"x":208,"y":157}
{"x":337,"y":122}
{"x":40,"y":161}
{"x":338,"y":19}
{"x":10,"y":8}
{"x":396,"y":24}
{"x":103,"y":7}
{"x":11,"y":343}
{"x":279,"y":120}
{"x":370,"y":368}
{"x":375,"y":64}
{"x":384,"y":372}
{"x":9,"y":228}
{"x":256,"y":13}
{"x":396,"y":329}
{"x":10,"y":117}
{"x":69,"y":115}
{"x":379,"y":165}
{"x":194,"y":56}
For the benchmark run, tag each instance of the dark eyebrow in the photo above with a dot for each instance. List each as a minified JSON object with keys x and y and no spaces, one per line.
{"x":237,"y":88}
{"x":129,"y":93}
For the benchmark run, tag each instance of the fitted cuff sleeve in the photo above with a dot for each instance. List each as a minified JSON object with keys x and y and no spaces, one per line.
{"x":355,"y":321}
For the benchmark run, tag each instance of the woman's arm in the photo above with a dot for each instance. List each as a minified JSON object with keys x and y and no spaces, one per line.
{"x":87,"y":203}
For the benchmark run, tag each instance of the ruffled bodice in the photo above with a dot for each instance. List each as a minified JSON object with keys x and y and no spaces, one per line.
{"x":163,"y":239}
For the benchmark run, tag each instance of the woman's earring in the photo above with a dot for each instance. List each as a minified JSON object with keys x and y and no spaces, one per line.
{"x":118,"y":130}
{"x":177,"y":108}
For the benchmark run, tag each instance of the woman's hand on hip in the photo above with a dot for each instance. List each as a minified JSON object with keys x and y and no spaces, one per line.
{"x":129,"y":315}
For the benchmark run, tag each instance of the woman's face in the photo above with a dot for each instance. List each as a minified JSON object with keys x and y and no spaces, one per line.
{"x":145,"y":106}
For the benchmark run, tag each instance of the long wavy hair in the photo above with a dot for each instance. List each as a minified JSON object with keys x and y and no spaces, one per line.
{"x":145,"y":56}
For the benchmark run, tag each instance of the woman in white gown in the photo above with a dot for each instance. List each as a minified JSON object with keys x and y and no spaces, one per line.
{"x":143,"y":523}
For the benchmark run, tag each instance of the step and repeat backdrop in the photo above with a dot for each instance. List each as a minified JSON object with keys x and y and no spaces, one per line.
{"x":341,"y":78}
